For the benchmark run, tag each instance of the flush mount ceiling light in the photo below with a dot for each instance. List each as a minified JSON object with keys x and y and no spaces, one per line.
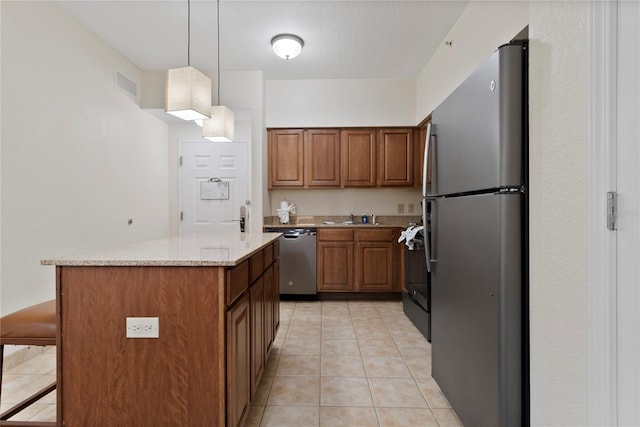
{"x":220,"y":127}
{"x":287,"y":46}
{"x":188,"y":91}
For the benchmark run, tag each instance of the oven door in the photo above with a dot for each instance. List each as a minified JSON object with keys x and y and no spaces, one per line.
{"x":416,"y":275}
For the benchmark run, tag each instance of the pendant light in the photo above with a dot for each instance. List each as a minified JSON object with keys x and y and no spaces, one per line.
{"x":220,"y":127}
{"x":188,"y":91}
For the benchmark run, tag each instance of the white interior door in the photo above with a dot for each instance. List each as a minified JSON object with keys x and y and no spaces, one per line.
{"x":200,"y":210}
{"x":628,"y":229}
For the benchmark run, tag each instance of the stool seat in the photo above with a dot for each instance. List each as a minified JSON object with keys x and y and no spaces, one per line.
{"x":34,"y":325}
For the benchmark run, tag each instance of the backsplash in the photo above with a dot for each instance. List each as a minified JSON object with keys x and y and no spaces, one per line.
{"x":390,"y":220}
{"x":379,"y":201}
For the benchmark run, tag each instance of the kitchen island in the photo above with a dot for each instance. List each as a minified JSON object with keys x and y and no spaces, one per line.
{"x":167,"y":332}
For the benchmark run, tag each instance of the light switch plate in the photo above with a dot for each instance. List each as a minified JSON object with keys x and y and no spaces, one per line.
{"x":143,"y":327}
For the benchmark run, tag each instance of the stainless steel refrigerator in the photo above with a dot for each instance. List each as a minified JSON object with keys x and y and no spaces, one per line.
{"x":477,"y":255}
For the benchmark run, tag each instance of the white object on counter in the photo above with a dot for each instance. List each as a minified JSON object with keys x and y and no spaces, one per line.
{"x":285,"y":210}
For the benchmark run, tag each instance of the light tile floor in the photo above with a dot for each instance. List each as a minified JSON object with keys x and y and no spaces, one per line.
{"x":349,"y":364}
{"x":352,"y":364}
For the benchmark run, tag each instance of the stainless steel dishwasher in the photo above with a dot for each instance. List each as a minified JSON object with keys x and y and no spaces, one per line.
{"x":297,"y":260}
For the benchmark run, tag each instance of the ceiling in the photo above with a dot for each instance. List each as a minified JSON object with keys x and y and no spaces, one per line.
{"x":343,"y":39}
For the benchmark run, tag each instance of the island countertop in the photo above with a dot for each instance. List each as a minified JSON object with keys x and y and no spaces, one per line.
{"x":205,"y":249}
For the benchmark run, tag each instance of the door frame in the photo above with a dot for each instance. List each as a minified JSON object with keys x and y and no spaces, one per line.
{"x":602,"y":255}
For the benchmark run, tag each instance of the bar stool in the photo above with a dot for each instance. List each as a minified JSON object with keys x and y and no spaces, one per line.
{"x":34,"y":325}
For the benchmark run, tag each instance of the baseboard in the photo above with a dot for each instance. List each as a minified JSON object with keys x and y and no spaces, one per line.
{"x":360,"y":296}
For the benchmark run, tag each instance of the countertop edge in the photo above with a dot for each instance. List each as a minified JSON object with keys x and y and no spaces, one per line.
{"x":93,"y":260}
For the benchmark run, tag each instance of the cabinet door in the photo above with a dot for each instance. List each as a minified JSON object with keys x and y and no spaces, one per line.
{"x":335,"y":266}
{"x":269,"y":301}
{"x":276,"y":296}
{"x":358,"y":148}
{"x":395,"y":155}
{"x":238,"y":361}
{"x":322,"y":158}
{"x":257,"y":333}
{"x":374,"y":266}
{"x":286,"y":148}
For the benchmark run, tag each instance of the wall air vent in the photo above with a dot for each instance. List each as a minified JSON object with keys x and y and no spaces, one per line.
{"x":126,"y":85}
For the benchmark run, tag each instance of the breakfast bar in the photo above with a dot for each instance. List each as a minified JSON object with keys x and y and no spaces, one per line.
{"x":168,"y":332}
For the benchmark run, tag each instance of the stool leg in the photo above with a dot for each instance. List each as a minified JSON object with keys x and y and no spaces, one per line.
{"x":1,"y":368}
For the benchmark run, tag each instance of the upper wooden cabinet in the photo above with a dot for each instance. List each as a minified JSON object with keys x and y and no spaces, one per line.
{"x":346,"y":157}
{"x":285,"y":150}
{"x":358,"y":148}
{"x":322,"y":158}
{"x":395,"y":157}
{"x":304,"y":158}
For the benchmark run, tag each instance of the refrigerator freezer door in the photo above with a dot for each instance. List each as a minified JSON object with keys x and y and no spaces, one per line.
{"x":478,"y":128}
{"x":476,"y":307}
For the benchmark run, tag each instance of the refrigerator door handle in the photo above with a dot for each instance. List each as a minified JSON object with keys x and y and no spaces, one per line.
{"x":426,"y":163}
{"x":427,"y":239}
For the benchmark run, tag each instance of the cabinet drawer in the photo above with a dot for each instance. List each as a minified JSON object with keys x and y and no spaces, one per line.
{"x":268,"y":255}
{"x":237,"y":282}
{"x":335,"y":234}
{"x":375,"y":235}
{"x":256,"y":266}
{"x":276,"y":249}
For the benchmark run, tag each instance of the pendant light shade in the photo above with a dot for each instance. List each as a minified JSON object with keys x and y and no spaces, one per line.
{"x":220,"y":127}
{"x":188,"y":94}
{"x":287,"y":46}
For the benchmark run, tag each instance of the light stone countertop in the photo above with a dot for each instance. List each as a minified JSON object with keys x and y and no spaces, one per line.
{"x":207,"y":249}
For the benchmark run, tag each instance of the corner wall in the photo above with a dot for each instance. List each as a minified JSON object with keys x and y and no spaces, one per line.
{"x":480,"y":30}
{"x":558,"y":150}
{"x":79,"y":157}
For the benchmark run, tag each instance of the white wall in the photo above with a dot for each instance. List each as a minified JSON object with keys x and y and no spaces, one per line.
{"x":558,"y":87}
{"x":482,"y":27}
{"x":79,"y":157}
{"x":326,"y":103}
{"x":338,"y":103}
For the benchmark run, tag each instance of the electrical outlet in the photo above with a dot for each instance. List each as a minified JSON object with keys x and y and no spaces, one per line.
{"x":143,"y":327}
{"x":400,"y":208}
{"x":411,"y":207}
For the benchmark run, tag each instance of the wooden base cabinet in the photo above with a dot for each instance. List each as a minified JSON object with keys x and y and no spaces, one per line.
{"x":375,"y":259}
{"x":258,"y":327}
{"x":214,"y":333}
{"x":359,"y":259}
{"x":335,"y":260}
{"x":239,"y":368}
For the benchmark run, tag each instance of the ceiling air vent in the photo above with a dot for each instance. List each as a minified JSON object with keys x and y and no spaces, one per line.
{"x":126,"y":85}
